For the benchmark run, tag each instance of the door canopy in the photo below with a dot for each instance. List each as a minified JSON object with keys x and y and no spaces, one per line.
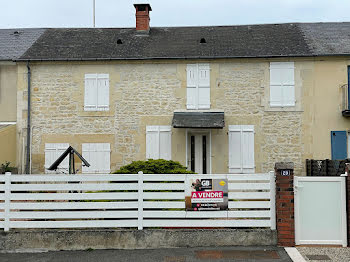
{"x":198,"y":120}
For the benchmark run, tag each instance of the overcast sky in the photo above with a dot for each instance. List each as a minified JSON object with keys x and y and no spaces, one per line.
{"x":121,"y":13}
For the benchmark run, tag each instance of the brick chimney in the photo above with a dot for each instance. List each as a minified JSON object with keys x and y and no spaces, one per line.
{"x":142,"y":17}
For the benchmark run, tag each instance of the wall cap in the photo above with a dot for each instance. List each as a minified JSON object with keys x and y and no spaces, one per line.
{"x":284,"y":165}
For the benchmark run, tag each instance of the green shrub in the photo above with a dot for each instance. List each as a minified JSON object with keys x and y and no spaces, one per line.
{"x":154,"y":166}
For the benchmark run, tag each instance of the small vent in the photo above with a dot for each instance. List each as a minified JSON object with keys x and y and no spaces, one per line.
{"x":16,"y":33}
{"x":119,"y":41}
{"x":203,"y":41}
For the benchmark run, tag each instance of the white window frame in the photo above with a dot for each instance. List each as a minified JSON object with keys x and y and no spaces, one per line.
{"x":99,"y":78}
{"x":280,"y":69}
{"x":242,"y":167}
{"x":157,"y":130}
{"x":86,"y":148}
{"x":58,"y":149}
{"x":197,"y":85}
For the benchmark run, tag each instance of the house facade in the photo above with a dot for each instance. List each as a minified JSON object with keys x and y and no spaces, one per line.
{"x":232,"y":99}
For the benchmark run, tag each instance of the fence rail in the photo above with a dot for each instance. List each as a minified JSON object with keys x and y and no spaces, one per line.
{"x":140,"y":200}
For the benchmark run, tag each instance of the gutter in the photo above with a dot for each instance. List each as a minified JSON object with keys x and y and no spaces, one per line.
{"x":174,"y":58}
{"x":28,"y":121}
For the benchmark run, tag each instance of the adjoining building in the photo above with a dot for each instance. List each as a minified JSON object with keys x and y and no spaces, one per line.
{"x":13,"y":44}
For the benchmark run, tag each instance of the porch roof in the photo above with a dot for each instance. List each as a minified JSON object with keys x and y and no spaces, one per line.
{"x":198,"y":120}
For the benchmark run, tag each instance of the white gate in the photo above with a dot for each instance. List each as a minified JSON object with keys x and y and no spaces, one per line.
{"x":320,"y":210}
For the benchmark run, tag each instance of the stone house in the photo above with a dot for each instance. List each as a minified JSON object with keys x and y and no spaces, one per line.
{"x":217,"y":99}
{"x":13,"y":44}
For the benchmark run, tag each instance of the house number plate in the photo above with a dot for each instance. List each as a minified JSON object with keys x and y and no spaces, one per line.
{"x":285,"y":172}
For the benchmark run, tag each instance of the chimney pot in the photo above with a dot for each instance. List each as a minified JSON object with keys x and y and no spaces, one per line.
{"x":142,"y":17}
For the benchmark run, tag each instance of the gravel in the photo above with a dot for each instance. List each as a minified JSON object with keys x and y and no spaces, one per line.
{"x":341,"y":254}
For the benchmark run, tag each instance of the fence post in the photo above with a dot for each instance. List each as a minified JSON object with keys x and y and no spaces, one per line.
{"x":273,"y":200}
{"x":7,"y":201}
{"x":285,"y":203}
{"x":140,"y":201}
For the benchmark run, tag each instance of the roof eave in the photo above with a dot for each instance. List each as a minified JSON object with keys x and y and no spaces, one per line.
{"x":172,"y":58}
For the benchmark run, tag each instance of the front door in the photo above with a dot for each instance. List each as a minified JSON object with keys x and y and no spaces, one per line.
{"x":198,"y":149}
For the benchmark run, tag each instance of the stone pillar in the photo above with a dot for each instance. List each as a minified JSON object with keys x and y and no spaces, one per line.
{"x":285,"y":203}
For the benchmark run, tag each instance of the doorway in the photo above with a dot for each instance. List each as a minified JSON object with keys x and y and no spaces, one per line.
{"x":198,"y":151}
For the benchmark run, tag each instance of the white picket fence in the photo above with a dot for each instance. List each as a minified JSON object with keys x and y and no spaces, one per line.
{"x":141,"y":200}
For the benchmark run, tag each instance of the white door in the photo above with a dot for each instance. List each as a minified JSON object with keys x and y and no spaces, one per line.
{"x":198,"y":148}
{"x":320,"y":211}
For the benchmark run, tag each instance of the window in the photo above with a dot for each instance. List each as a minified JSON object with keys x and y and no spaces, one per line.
{"x":54,"y":151}
{"x":241,"y":149}
{"x":158,"y":142}
{"x":282,"y":89}
{"x":96,"y":92}
{"x":198,"y":86}
{"x":98,"y":156}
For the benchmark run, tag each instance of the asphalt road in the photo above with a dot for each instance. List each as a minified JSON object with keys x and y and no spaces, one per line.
{"x":259,"y":254}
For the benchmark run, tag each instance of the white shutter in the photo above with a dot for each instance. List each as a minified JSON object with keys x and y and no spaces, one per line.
{"x":152,"y":142}
{"x":103,"y":92}
{"x":203,"y":86}
{"x":90,"y":96}
{"x":241,"y":149}
{"x":98,"y":156}
{"x":165,"y":142}
{"x":198,"y":86}
{"x":87,"y":154}
{"x":288,"y":93}
{"x":235,"y":150}
{"x":103,"y":153}
{"x":158,"y":142}
{"x":288,"y":84}
{"x":276,"y":95}
{"x":54,"y":151}
{"x":248,"y":162}
{"x":282,"y":90}
{"x":192,"y":79}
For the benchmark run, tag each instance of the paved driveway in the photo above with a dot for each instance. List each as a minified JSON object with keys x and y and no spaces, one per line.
{"x":260,"y":254}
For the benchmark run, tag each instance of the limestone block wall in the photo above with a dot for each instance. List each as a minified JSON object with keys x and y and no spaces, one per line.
{"x":148,"y":93}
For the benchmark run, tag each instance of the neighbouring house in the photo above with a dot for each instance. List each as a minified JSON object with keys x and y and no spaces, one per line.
{"x":218,"y":99}
{"x":13,"y":43}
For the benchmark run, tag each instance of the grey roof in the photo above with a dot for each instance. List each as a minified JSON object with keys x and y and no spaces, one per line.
{"x":13,"y":45}
{"x":327,"y":38}
{"x":198,"y":120}
{"x":268,"y":40}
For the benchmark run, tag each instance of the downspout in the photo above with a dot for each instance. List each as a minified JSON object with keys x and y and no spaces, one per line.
{"x":28,"y":121}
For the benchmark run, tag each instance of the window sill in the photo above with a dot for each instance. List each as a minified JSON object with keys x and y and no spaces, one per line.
{"x":283,"y":109}
{"x":96,"y":113}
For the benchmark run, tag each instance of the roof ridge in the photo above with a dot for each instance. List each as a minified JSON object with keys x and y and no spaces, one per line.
{"x":186,"y":26}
